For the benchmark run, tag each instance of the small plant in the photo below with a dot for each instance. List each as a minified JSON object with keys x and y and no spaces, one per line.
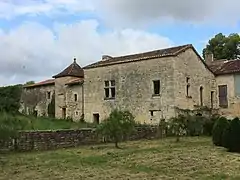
{"x":218,"y":129}
{"x":118,"y":125}
{"x":178,"y":126}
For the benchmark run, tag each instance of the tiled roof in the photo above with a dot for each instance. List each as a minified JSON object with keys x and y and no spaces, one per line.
{"x":173,"y":51}
{"x":75,"y":81}
{"x":73,"y":70}
{"x":42,"y":83}
{"x":220,"y":67}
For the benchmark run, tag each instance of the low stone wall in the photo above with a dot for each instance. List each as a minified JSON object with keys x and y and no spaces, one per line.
{"x":48,"y":140}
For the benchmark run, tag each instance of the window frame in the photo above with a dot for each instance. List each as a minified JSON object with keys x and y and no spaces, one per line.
{"x":110,"y":87}
{"x":154,"y":88}
{"x":224,"y":98}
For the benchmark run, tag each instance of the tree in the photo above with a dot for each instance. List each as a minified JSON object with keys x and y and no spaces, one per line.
{"x":218,"y":129}
{"x":118,"y":125}
{"x":178,"y":125}
{"x":10,"y":98}
{"x":223,"y":47}
{"x":30,"y":82}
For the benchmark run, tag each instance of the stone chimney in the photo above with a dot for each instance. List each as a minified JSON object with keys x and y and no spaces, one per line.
{"x":106,"y":57}
{"x":209,"y":58}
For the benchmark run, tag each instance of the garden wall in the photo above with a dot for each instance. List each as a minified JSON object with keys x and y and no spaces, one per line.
{"x":48,"y":140}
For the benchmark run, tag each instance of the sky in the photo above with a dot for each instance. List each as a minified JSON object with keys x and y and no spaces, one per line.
{"x":39,"y":38}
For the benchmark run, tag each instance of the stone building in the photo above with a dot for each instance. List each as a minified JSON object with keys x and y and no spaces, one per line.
{"x":152,"y":85}
{"x":227,"y":75}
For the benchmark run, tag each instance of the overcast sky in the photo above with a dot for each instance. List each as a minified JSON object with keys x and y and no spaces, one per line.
{"x":39,"y":38}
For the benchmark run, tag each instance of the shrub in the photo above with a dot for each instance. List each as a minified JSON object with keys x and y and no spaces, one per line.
{"x":208,"y":125}
{"x":195,"y":125}
{"x":219,"y":127}
{"x":232,"y":136}
{"x":177,"y":126}
{"x":117,"y":125}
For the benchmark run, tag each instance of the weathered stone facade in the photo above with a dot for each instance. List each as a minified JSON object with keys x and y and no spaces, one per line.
{"x":151,"y":85}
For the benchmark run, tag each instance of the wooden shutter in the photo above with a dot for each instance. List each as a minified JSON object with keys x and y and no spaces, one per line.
{"x":223,"y":100}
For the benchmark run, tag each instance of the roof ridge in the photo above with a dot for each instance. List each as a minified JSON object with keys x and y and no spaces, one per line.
{"x":149,"y":51}
{"x":157,"y":53}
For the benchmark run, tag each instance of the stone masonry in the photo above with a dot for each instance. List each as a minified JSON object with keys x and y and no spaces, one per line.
{"x":151,"y":85}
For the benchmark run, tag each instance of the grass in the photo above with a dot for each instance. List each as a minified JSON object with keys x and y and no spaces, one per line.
{"x":42,"y":123}
{"x":192,"y":158}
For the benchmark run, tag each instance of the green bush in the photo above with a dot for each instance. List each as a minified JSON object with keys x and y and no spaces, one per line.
{"x":117,"y":126}
{"x":218,"y":129}
{"x":195,"y":125}
{"x":232,"y":136}
{"x":208,"y":125}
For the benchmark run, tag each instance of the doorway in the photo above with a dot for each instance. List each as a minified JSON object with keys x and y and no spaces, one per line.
{"x":64,"y":113}
{"x":96,"y":118}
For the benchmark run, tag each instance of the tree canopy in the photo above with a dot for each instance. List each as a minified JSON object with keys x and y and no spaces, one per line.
{"x":10,"y":98}
{"x":223,"y":47}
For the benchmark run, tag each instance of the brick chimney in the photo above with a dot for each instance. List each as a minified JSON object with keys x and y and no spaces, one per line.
{"x":209,"y":58}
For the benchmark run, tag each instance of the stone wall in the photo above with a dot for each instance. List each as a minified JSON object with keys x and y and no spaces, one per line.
{"x":189,"y":65}
{"x":36,"y":99}
{"x":134,"y":90}
{"x":49,"y":140}
{"x":233,"y":109}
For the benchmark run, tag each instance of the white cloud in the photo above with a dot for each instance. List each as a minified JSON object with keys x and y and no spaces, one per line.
{"x":143,"y":12}
{"x":34,"y":52}
{"x":10,"y":9}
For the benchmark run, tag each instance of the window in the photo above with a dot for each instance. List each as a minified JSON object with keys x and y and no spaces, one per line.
{"x":222,"y":95}
{"x":187,"y":87}
{"x":75,"y":97}
{"x":110,"y":89}
{"x":151,"y":112}
{"x":156,"y":87}
{"x":212,"y":93}
{"x":49,"y":95}
{"x":201,"y":96}
{"x":96,"y":118}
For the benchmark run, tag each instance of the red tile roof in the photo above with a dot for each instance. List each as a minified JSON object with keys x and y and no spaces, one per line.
{"x":220,"y":67}
{"x":75,"y":81}
{"x":173,"y":51}
{"x":42,"y":83}
{"x":73,"y":70}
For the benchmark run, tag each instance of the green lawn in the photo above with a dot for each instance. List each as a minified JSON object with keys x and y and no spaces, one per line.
{"x":192,"y":158}
{"x":42,"y":123}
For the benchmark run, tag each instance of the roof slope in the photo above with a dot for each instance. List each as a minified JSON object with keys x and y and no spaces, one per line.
{"x":42,"y":83}
{"x":173,"y":51}
{"x":73,"y":70}
{"x":75,"y":81}
{"x":220,"y":67}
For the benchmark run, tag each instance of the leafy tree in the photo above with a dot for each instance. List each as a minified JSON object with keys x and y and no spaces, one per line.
{"x":223,"y":47}
{"x":218,"y":129}
{"x":10,"y":98}
{"x":117,"y":125}
{"x":30,"y":82}
{"x":178,"y":126}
